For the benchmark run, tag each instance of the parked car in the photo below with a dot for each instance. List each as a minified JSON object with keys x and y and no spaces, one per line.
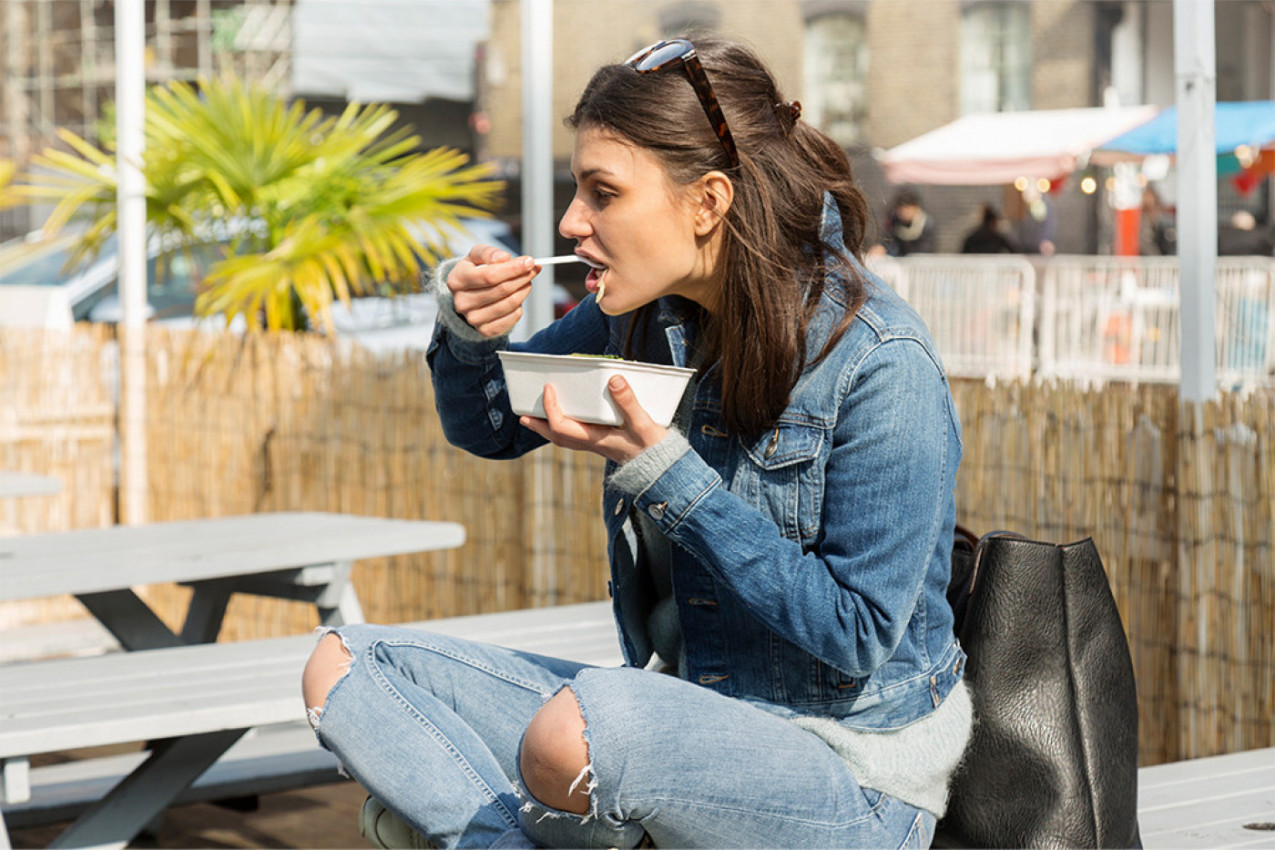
{"x":37,"y":290}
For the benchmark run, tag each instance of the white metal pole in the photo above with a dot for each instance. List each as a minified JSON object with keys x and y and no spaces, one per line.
{"x":130,"y":98}
{"x":1195,"y":74}
{"x":537,"y":157}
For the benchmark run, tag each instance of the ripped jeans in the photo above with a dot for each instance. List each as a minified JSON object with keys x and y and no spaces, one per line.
{"x":431,"y":726}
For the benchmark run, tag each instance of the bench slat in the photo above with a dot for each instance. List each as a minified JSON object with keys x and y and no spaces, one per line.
{"x":120,"y":697}
{"x":1206,"y":802}
{"x":267,"y":760}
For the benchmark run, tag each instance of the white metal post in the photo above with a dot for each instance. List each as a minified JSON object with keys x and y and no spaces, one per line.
{"x":130,"y":199}
{"x":537,"y":157}
{"x":1196,"y":92}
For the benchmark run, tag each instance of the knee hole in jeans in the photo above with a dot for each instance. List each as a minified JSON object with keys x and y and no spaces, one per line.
{"x":328,"y":663}
{"x":554,"y":757}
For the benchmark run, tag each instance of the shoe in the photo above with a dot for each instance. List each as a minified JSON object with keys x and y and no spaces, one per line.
{"x":384,"y":829}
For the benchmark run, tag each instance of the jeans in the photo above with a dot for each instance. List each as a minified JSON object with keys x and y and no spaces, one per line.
{"x":431,"y":726}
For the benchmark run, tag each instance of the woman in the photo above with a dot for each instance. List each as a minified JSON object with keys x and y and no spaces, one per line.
{"x":783,"y":551}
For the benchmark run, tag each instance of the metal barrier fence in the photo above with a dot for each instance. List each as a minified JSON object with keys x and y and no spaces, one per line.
{"x":979,"y":309}
{"x":1084,"y":317}
{"x":1117,"y":318}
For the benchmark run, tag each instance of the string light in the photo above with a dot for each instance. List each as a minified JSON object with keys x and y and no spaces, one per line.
{"x":1088,"y":185}
{"x":1042,"y":185}
{"x":1021,"y":184}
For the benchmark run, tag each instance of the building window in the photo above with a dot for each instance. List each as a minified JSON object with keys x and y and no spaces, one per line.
{"x":995,"y":57}
{"x":836,"y":77}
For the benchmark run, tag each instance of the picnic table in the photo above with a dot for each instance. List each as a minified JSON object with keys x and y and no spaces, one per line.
{"x":20,"y":484}
{"x":303,"y":556}
{"x":191,"y":697}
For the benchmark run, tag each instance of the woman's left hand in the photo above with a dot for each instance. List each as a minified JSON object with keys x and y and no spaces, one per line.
{"x":618,"y":443}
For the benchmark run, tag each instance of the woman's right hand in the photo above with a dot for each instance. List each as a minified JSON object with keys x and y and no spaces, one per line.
{"x":488,"y":287}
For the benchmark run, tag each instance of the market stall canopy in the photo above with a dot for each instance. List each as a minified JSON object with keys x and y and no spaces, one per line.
{"x":1000,"y":147}
{"x":388,"y":50}
{"x":1238,"y":125}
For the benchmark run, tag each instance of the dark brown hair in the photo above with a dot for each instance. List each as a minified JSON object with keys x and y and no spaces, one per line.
{"x":774,"y":262}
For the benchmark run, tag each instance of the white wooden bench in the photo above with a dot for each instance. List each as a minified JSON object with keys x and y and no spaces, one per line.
{"x":197,"y":702}
{"x":1220,"y":801}
{"x":120,"y":698}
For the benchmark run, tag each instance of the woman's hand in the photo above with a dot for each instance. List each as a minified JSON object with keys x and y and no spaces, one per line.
{"x":618,"y":443}
{"x":488,"y":287}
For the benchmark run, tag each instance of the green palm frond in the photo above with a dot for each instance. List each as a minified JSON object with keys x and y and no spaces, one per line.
{"x":7,"y":171}
{"x":317,"y":207}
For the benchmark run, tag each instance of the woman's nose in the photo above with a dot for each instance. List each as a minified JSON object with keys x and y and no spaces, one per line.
{"x":574,"y":223}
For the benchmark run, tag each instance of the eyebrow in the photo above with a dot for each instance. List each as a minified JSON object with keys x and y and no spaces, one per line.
{"x":589,"y":172}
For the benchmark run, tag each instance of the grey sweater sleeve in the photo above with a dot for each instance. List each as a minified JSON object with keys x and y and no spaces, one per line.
{"x":453,"y":321}
{"x":638,"y":474}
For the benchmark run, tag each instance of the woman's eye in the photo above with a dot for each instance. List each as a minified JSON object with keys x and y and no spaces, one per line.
{"x":602,"y":196}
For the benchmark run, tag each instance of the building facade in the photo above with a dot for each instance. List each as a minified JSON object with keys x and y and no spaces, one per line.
{"x":871,"y":73}
{"x":59,"y":63}
{"x":876,"y":73}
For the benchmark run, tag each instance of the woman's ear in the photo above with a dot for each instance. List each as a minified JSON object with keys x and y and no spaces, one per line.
{"x":716,"y":193}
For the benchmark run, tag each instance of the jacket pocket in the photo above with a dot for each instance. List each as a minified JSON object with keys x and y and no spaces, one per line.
{"x":784,"y":476}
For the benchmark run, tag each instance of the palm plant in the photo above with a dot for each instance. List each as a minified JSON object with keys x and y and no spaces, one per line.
{"x":7,"y":171}
{"x":312,"y":208}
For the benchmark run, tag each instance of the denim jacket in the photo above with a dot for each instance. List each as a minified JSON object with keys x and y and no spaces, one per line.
{"x":810,"y":565}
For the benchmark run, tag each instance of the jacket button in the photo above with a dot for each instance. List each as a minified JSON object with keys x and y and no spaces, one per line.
{"x":657,"y":511}
{"x":619,"y":506}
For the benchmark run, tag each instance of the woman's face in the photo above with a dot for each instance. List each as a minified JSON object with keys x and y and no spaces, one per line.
{"x":629,"y":218}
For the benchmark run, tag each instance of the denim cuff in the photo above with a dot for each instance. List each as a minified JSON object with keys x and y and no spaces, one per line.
{"x":453,"y":321}
{"x":636,"y":476}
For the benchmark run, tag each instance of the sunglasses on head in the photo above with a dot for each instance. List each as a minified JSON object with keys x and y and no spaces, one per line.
{"x":680,"y":53}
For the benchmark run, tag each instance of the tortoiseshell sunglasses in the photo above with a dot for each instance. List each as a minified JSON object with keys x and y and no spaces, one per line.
{"x":680,"y":53}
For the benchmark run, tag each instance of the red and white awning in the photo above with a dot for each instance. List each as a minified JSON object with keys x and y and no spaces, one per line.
{"x":1000,"y":147}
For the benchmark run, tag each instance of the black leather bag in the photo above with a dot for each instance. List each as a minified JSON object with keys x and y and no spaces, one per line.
{"x":1054,"y":757}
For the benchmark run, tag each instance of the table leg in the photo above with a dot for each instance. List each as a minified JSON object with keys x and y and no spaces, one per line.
{"x":129,"y":619}
{"x":173,"y":765}
{"x":207,"y":610}
{"x":15,"y":779}
{"x":339,"y":603}
{"x":326,"y":586}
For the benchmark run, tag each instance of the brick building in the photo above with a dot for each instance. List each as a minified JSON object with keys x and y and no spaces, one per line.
{"x":59,"y":63}
{"x":875,"y":73}
{"x":872,"y":73}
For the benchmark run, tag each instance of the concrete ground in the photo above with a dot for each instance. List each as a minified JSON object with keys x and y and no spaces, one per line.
{"x":323,"y":818}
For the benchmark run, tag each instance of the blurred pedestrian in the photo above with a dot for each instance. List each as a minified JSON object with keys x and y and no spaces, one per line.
{"x":987,"y":238}
{"x":1036,"y":229}
{"x":1241,"y":236}
{"x":1158,"y":233}
{"x":909,"y":229}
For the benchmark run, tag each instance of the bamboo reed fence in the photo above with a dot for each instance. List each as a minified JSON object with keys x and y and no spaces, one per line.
{"x":1178,"y":497}
{"x":265,"y":423}
{"x":56,"y":418}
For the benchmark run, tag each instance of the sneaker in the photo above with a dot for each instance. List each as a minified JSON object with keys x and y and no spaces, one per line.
{"x":384,"y":829}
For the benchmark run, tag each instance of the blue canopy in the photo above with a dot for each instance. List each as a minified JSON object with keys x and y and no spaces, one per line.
{"x":1241,"y":123}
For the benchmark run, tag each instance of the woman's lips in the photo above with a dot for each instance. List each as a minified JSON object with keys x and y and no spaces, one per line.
{"x":596,"y":272}
{"x":594,"y":277}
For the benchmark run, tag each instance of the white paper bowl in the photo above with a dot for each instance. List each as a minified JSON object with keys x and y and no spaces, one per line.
{"x":581,"y":385}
